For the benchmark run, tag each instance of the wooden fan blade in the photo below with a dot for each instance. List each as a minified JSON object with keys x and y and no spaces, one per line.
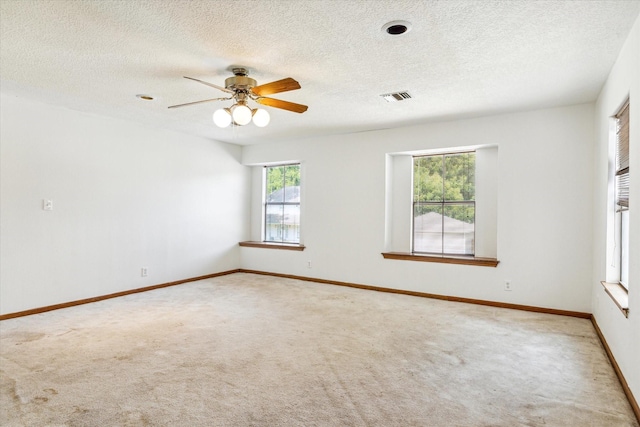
{"x":283,"y":85}
{"x":197,"y":102}
{"x":285,"y":105}
{"x":224,"y":89}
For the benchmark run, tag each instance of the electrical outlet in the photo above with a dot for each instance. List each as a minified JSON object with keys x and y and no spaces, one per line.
{"x":47,"y":205}
{"x":144,"y":272}
{"x":308,"y":264}
{"x":507,"y":285}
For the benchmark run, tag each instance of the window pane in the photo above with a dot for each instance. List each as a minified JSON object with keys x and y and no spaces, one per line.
{"x":274,"y":223}
{"x":441,"y":226}
{"x":291,"y":224}
{"x":622,"y":189}
{"x":282,"y":206}
{"x":624,"y":248}
{"x":459,"y":224}
{"x":427,"y":228}
{"x":292,"y":184}
{"x":275,"y":184}
{"x":427,"y":179}
{"x":459,"y":180}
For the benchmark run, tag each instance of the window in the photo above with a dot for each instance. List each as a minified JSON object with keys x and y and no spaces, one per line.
{"x":282,"y":204}
{"x":622,"y":191}
{"x":444,"y":204}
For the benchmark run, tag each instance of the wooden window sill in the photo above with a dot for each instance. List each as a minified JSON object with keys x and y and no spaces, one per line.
{"x":619,"y":295}
{"x":267,"y":245}
{"x":406,"y":256}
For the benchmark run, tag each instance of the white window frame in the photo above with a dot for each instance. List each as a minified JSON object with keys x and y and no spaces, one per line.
{"x":621,"y":210}
{"x":443,"y":203}
{"x":285,"y":238}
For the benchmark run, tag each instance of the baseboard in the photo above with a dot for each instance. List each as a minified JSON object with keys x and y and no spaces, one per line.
{"x":616,"y":368}
{"x":308,"y":279}
{"x":109,"y":296}
{"x":427,"y":295}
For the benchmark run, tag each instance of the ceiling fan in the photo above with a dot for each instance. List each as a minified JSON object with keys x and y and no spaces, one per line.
{"x":243,"y":88}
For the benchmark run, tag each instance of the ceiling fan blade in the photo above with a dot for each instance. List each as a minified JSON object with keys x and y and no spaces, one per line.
{"x":283,"y":85}
{"x":224,"y":89}
{"x":285,"y":105}
{"x":198,"y":102}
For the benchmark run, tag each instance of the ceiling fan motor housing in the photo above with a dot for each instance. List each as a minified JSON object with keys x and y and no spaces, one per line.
{"x":240,"y":83}
{"x":240,"y":80}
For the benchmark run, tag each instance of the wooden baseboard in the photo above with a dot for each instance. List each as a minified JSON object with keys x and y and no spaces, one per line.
{"x":108,"y":296}
{"x":616,"y":368}
{"x":308,"y":279}
{"x":427,"y":295}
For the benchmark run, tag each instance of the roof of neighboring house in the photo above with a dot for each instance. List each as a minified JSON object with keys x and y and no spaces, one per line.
{"x":285,"y":195}
{"x":432,"y":222}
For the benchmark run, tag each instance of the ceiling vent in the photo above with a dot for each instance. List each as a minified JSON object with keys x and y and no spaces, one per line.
{"x":396,"y":96}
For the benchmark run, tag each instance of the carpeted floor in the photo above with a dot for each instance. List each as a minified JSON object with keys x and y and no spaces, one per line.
{"x":249,"y":350}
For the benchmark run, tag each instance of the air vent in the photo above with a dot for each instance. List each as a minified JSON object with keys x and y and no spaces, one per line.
{"x":396,"y":96}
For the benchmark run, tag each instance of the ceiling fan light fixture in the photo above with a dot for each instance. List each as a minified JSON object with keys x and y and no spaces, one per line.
{"x":222,"y":117}
{"x":241,"y":114}
{"x":261,"y":117}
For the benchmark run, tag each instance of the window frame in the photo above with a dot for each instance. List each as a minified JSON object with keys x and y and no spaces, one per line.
{"x":443,"y":203}
{"x":617,"y":234}
{"x":621,"y":189}
{"x":266,"y":204}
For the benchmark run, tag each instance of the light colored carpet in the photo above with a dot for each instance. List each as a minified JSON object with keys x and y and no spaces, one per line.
{"x":249,"y":350}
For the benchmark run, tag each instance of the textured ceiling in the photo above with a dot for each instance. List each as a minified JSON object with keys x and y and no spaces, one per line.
{"x":460,"y":59}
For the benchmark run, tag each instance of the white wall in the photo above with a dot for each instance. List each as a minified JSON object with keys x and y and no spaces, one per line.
{"x":544,"y":221}
{"x":125,"y":196}
{"x":622,"y":334}
{"x":398,"y":203}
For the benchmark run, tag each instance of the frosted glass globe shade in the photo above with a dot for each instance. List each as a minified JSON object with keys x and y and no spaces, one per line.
{"x":261,"y":118}
{"x":241,"y":115}
{"x":222,"y":118}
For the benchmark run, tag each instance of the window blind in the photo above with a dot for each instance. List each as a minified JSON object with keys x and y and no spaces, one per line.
{"x":622,"y":156}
